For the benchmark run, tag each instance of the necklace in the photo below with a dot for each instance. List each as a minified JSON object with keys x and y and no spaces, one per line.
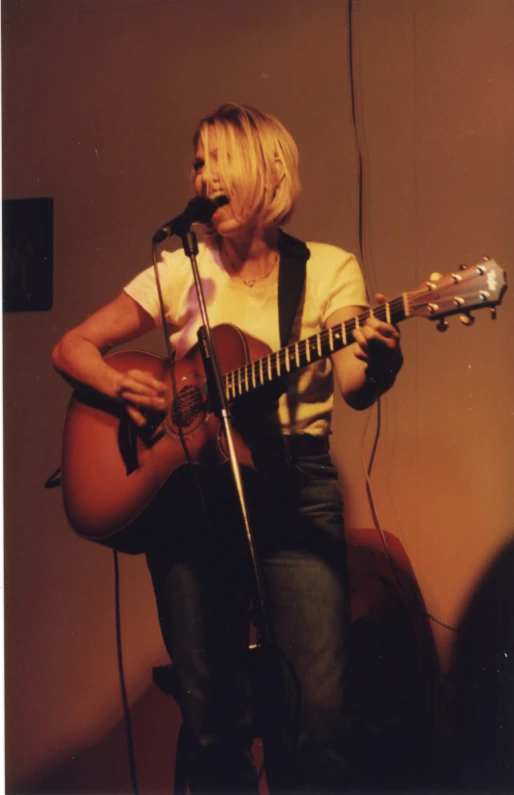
{"x":251,"y":282}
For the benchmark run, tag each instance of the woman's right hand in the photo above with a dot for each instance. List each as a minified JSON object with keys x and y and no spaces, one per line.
{"x":138,"y":390}
{"x":79,"y":357}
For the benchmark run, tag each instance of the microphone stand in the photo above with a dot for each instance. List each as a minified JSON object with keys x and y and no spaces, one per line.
{"x":221,"y":408}
{"x":269,"y":664}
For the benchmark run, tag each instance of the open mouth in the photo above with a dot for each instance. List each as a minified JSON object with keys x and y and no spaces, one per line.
{"x":220,"y":199}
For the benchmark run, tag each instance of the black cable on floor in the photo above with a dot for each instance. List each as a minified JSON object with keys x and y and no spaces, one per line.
{"x":126,"y":709}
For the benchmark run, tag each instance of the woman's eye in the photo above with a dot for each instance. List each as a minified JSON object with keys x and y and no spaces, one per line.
{"x":198,"y":165}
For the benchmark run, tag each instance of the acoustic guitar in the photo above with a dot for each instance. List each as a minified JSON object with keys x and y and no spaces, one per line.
{"x":112,"y":470}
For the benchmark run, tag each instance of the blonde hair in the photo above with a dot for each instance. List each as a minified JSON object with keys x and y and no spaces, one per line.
{"x":257,"y":159}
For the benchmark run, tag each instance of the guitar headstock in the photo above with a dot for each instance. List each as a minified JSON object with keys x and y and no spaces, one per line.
{"x":458,"y":293}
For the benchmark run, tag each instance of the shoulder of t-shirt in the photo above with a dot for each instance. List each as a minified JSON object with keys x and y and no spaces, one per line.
{"x":334,"y":278}
{"x":329,"y":254}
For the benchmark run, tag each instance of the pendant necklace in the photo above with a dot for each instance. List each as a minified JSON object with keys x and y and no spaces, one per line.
{"x":251,"y":282}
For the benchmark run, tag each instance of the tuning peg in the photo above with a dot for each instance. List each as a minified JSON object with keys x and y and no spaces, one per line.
{"x":486,"y":258}
{"x":434,"y":277}
{"x":493,"y":313}
{"x":467,"y":319}
{"x":462,"y":267}
{"x":442,"y":325}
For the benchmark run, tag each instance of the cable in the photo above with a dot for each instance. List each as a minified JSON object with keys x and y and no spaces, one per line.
{"x":358,"y":147}
{"x":208,"y":524}
{"x":271,"y":646}
{"x":356,"y":134}
{"x":123,"y":686}
{"x":53,"y":480}
{"x":360,"y":234}
{"x":171,"y":364}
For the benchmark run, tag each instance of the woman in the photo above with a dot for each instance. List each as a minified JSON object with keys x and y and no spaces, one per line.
{"x":200,"y":570}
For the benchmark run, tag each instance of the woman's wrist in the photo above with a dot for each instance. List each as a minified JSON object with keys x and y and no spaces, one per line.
{"x":379,"y":378}
{"x":113,"y":380}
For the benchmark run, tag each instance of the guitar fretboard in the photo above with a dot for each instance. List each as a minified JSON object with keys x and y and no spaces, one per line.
{"x":307,"y":351}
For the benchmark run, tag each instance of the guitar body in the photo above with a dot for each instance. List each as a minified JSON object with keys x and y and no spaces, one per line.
{"x":111,"y":470}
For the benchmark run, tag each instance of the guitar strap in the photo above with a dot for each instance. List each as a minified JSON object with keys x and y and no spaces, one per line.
{"x":291,"y":279}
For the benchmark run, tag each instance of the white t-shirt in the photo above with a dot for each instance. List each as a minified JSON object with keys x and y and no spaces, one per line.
{"x":333,"y":281}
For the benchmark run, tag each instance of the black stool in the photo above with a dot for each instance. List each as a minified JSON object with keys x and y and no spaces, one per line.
{"x":165,"y":678}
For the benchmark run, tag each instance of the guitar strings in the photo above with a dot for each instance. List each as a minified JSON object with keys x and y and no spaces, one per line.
{"x":257,"y":373}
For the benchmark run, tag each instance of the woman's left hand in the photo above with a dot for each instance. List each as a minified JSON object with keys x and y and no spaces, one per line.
{"x":378,"y":344}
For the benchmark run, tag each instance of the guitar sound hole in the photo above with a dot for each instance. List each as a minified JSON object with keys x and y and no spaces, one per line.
{"x":187,"y":405}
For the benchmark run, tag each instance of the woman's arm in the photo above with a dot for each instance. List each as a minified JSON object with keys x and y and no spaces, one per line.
{"x":368,"y":367}
{"x":78,"y":356}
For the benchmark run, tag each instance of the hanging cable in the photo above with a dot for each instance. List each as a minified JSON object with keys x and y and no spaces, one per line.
{"x":368,"y":466}
{"x":360,"y":237}
{"x":123,"y":686}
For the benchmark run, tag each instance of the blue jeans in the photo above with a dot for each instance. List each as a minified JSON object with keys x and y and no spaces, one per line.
{"x":204,"y":588}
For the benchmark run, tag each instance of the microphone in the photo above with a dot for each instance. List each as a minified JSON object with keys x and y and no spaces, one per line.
{"x":199,"y":209}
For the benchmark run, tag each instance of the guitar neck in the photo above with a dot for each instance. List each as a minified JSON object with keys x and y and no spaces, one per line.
{"x":307,"y":351}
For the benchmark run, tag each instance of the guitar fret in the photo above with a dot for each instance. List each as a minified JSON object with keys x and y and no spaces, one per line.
{"x":240,"y":391}
{"x":331,"y":338}
{"x":270,"y":376}
{"x":318,"y":343}
{"x":287,"y":362}
{"x":254,"y":383}
{"x":388,"y":311}
{"x":307,"y":350}
{"x":343,"y":329}
{"x":277,"y":364}
{"x":246,"y":378}
{"x":261,"y":375}
{"x":406,"y":310}
{"x":297,"y":351}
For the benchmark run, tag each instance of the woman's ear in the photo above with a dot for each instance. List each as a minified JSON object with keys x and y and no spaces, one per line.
{"x":279,"y":175}
{"x":279,"y":171}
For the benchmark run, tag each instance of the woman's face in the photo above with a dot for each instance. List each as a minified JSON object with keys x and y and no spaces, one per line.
{"x":231,"y":219}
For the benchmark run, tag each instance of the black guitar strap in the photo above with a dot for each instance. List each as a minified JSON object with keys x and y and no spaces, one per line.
{"x":291,"y":279}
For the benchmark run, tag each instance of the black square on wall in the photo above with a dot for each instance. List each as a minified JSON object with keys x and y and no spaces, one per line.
{"x":27,"y":254}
